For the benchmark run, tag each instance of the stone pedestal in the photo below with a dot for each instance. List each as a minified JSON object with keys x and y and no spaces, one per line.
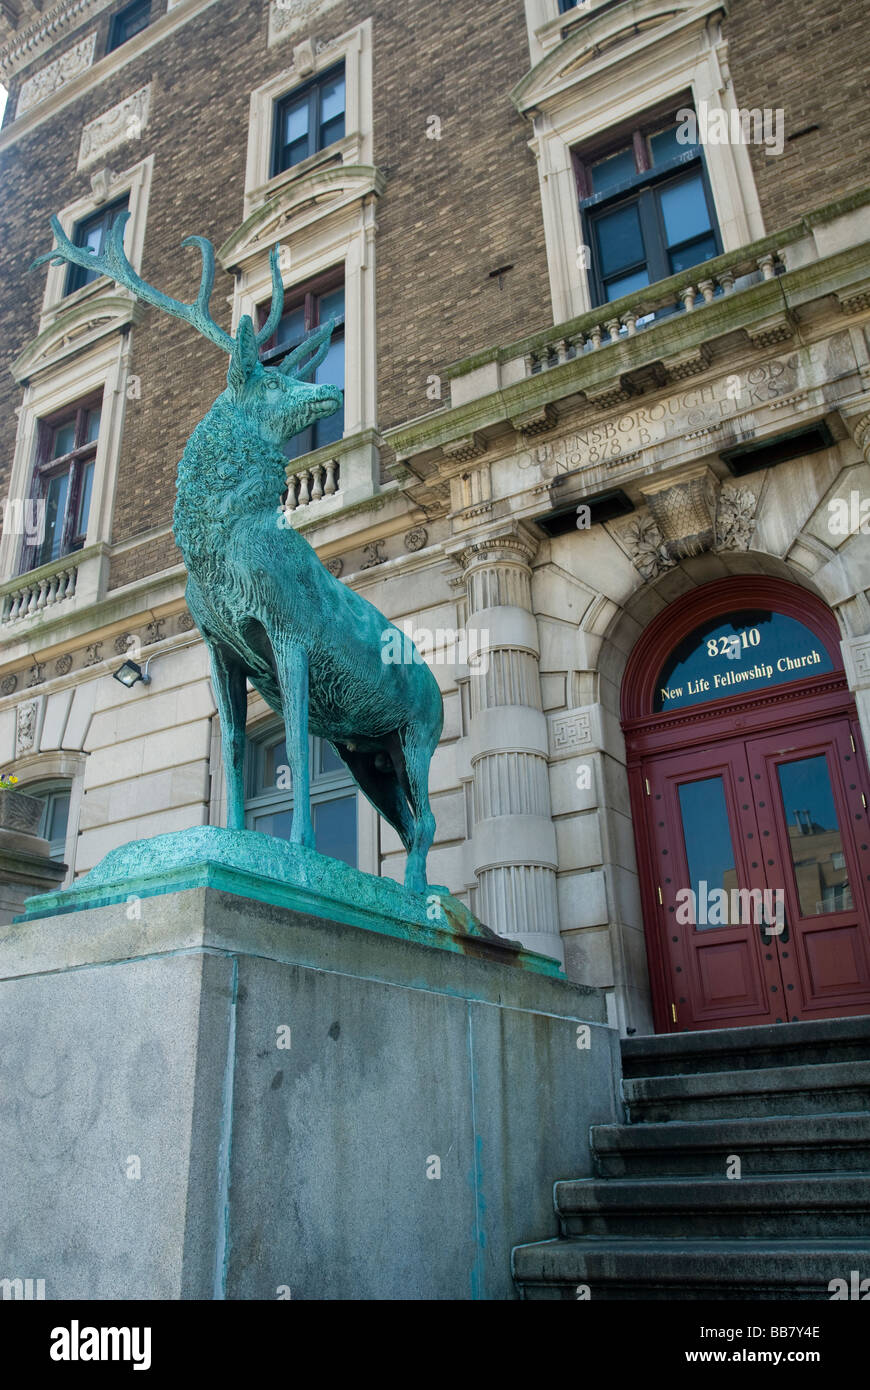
{"x":212,"y":1094}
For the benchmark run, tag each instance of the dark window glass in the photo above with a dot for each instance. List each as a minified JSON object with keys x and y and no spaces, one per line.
{"x":709,"y":847}
{"x":132,"y":19}
{"x":63,"y":482}
{"x":816,"y":844}
{"x":742,"y":652}
{"x":309,"y":119}
{"x":565,"y":5}
{"x":55,"y":815}
{"x":92,"y":232}
{"x":647,"y":210}
{"x":269,"y":807}
{"x":315,"y":308}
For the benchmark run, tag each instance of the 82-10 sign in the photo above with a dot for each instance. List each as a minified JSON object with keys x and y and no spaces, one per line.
{"x":722,"y":646}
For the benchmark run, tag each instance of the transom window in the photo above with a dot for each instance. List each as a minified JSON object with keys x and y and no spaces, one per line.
{"x":63,"y":482}
{"x":269,"y":805}
{"x":646,"y":208}
{"x":132,"y":19}
{"x":322,"y":300}
{"x":92,"y":232}
{"x":309,"y":119}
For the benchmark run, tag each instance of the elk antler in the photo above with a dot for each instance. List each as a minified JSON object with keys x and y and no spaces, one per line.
{"x":112,"y":261}
{"x":317,"y":343}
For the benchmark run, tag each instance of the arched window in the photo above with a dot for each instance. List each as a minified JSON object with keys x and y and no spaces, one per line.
{"x":269,"y":803}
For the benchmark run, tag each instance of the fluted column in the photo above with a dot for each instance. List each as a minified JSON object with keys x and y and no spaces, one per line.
{"x":513,"y":842}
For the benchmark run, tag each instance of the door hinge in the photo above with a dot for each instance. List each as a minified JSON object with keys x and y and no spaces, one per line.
{"x":661,"y":899}
{"x":646,"y":782}
{"x":852,"y":741}
{"x":864,"y":801}
{"x":673,"y":1013}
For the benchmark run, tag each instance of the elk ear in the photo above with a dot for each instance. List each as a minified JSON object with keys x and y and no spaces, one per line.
{"x":244,"y":356}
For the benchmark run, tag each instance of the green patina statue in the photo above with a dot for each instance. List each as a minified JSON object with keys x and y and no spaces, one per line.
{"x":268,"y":610}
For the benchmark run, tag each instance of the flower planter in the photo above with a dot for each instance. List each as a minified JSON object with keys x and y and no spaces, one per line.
{"x":20,"y":812}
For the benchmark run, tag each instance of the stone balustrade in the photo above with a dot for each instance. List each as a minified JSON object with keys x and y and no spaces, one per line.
{"x":308,"y":485}
{"x":632,"y":314}
{"x":31,"y":594}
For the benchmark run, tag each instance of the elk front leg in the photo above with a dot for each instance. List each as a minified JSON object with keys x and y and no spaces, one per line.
{"x":228,"y":680}
{"x":292,"y":664}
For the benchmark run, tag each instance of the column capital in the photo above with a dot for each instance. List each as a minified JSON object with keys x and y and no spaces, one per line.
{"x":511,"y":542}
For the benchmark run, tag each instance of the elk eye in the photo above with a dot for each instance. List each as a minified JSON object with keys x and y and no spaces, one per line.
{"x":272,"y":385}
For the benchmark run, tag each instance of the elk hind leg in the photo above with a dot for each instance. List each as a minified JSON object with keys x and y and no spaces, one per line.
{"x":416,"y":755}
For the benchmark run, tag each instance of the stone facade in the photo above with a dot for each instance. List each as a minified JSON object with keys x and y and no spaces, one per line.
{"x":492,"y":414}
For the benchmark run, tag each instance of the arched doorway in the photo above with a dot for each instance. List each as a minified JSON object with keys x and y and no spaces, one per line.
{"x":749,"y":792}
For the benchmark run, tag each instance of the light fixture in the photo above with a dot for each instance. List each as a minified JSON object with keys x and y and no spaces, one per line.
{"x":129,"y":673}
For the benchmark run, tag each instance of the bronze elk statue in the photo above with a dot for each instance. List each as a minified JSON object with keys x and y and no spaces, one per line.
{"x":268,"y":610}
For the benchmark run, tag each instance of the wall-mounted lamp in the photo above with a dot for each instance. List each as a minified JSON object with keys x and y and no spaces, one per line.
{"x":130,"y":673}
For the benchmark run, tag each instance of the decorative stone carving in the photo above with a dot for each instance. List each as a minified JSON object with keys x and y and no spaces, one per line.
{"x":25,"y":727}
{"x":123,"y":641}
{"x":686,"y":364}
{"x":537,"y":421}
{"x":465,"y":449}
{"x":63,"y":665}
{"x":416,"y":538}
{"x":93,"y":654}
{"x":685,"y":514}
{"x":36,"y":674}
{"x":8,"y":685}
{"x":286,"y":17}
{"x":122,"y":122}
{"x":335,"y":566}
{"x":101,"y":183}
{"x":571,"y":733}
{"x":768,"y":333}
{"x":56,"y":74}
{"x":155,"y":630}
{"x":647,"y":548}
{"x":735,"y":514}
{"x":184,"y":622}
{"x":373,"y":551}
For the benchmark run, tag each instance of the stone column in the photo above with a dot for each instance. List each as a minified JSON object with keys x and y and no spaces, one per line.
{"x":513,"y":841}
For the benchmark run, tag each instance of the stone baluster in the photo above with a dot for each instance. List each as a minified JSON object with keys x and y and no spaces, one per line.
{"x":317,"y":489}
{"x":330,"y":487}
{"x":304,"y":496}
{"x":767,"y":266}
{"x":596,"y":336}
{"x":708,"y":290}
{"x":513,"y":842}
{"x":688,"y":296}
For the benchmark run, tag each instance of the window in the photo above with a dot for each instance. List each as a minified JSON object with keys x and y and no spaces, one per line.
{"x":323,"y":299}
{"x":565,"y":5}
{"x":132,"y":19}
{"x":269,"y":807}
{"x":92,"y":232}
{"x":309,"y":119}
{"x":55,"y":815}
{"x":647,"y":209}
{"x":63,"y":481}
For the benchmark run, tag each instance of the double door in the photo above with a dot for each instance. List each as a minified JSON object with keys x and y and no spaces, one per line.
{"x":759,"y":852}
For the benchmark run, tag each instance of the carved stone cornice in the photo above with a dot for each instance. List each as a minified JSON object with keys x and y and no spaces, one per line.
{"x":78,"y":327}
{"x":317,"y":193}
{"x":43,"y":32}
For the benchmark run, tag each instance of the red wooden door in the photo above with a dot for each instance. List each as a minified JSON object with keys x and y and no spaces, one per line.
{"x":705,"y":846}
{"x":811,"y":794}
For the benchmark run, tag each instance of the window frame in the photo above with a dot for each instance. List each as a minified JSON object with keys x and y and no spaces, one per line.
{"x":74,"y":464}
{"x":77,"y":277}
{"x":309,"y":90}
{"x":120,"y":18}
{"x":324,"y":786}
{"x":639,"y":191}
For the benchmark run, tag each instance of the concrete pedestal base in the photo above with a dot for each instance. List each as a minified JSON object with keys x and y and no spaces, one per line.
{"x":207,"y":1096}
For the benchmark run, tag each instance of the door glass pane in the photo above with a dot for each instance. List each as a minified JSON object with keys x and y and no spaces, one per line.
{"x":814,"y":837}
{"x":85,"y":499}
{"x":709,"y":848}
{"x":55,"y":504}
{"x":335,"y":829}
{"x":684,"y":210}
{"x":620,"y":244}
{"x":610,"y":173}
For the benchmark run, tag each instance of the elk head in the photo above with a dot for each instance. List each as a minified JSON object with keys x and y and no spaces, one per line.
{"x":277,"y":401}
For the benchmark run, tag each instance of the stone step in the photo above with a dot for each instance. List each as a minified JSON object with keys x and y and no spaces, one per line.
{"x":651,"y":1269}
{"x":811,"y":1206}
{"x":791,"y":1090}
{"x":699,"y":1148}
{"x":737,"y":1049}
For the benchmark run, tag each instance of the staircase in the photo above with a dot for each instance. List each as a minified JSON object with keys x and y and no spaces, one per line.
{"x":662,"y":1220}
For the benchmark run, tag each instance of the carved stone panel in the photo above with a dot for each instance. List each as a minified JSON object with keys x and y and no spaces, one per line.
{"x":288,"y":17}
{"x":122,"y":122}
{"x":56,"y":73}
